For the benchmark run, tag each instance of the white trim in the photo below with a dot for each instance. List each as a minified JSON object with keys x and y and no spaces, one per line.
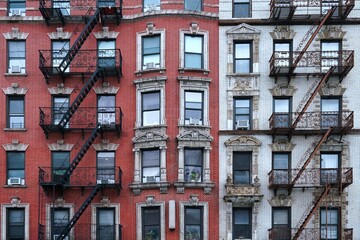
{"x":139,"y":206}
{"x":4,"y":207}
{"x":49,"y":206}
{"x":94,"y":217}
{"x":205,"y":207}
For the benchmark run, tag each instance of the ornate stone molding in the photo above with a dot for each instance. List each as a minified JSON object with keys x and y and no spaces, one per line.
{"x":195,"y":135}
{"x":60,"y":89}
{"x":282,"y":145}
{"x":60,"y":146}
{"x":15,"y":146}
{"x":243,"y":141}
{"x":59,"y":34}
{"x":279,"y":91}
{"x":15,"y":89}
{"x":332,"y":90}
{"x":330,"y":32}
{"x":105,"y":33}
{"x":105,"y":146}
{"x":150,"y":136}
{"x":280,"y":201}
{"x":106,"y":89}
{"x":15,"y":35}
{"x":282,"y":32}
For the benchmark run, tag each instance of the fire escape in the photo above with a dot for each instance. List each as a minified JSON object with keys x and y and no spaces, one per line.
{"x":89,"y":66}
{"x":286,"y":65}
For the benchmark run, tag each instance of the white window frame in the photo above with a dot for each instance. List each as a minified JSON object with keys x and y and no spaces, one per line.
{"x":70,"y":206}
{"x":205,"y":223}
{"x":94,"y":217}
{"x":139,"y":207}
{"x":205,"y":35}
{"x":4,"y":208}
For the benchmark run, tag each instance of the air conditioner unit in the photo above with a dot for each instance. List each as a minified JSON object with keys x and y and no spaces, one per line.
{"x":150,"y":179}
{"x":15,"y":69}
{"x":99,"y":181}
{"x":57,"y":235}
{"x":194,"y":121}
{"x":111,"y":181}
{"x":15,"y":12}
{"x":242,"y":124}
{"x":150,"y":65}
{"x":14,"y":181}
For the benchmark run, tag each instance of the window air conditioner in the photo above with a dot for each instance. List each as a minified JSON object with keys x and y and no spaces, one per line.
{"x":98,"y":181}
{"x":15,"y":12}
{"x":150,"y":65}
{"x":150,"y":179}
{"x":57,"y":235}
{"x":14,"y":181}
{"x":15,"y":69}
{"x":242,"y":124}
{"x":111,"y":181}
{"x":194,"y":121}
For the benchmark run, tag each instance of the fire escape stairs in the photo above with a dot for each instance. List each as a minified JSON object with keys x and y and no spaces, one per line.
{"x":79,"y":212}
{"x":80,"y":98}
{"x":94,"y":19}
{"x":47,"y":13}
{"x":81,"y":153}
{"x":312,"y":37}
{"x":308,"y":214}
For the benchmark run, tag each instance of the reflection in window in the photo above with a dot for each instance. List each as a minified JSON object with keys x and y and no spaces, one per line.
{"x":59,"y":51}
{"x":242,"y":58}
{"x":60,"y":219}
{"x":193,"y":5}
{"x":193,"y":51}
{"x":60,"y":107}
{"x":15,"y":223}
{"x":106,"y":53}
{"x":151,"y":5}
{"x":329,"y":221}
{"x":64,"y":6}
{"x":193,"y":107}
{"x":151,"y":223}
{"x":193,"y":223}
{"x":151,"y":165}
{"x":15,"y":165}
{"x":105,"y":168}
{"x":193,"y":165}
{"x":106,"y":109}
{"x":16,"y":56}
{"x":105,"y":224}
{"x":241,"y":167}
{"x":16,"y":114}
{"x":60,"y":164}
{"x":241,"y":8}
{"x":151,"y":52}
{"x":241,"y":223}
{"x":242,"y":112}
{"x":150,"y":108}
{"x":17,"y":7}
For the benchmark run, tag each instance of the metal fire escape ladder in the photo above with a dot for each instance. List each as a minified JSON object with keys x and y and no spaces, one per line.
{"x":81,"y":153}
{"x":79,"y":212}
{"x":313,"y":35}
{"x":308,"y":214}
{"x":94,"y":19}
{"x":80,"y":98}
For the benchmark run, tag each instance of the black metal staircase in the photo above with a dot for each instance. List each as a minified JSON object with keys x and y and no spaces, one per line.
{"x":79,"y":212}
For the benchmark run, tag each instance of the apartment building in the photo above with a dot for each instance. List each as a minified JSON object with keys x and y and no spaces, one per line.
{"x":288,"y":133}
{"x":109,"y":119}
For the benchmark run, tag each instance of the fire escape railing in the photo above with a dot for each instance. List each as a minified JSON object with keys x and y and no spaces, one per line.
{"x":307,"y":233}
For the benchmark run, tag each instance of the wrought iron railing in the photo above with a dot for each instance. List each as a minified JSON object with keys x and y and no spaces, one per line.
{"x":282,"y":233}
{"x":82,"y":177}
{"x":80,"y":5}
{"x":312,"y":120}
{"x":311,"y":177}
{"x":85,"y":61}
{"x":282,"y":62}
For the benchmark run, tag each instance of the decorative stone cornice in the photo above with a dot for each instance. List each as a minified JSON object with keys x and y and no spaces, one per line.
{"x":15,"y":89}
{"x":278,"y":91}
{"x":105,"y":33}
{"x":154,"y":135}
{"x":194,"y":135}
{"x":243,"y":140}
{"x":243,"y":29}
{"x":106,"y":89}
{"x":280,"y":201}
{"x":282,"y":145}
{"x":105,"y":146}
{"x":60,"y":89}
{"x":331,"y":32}
{"x":15,"y":146}
{"x":59,"y":34}
{"x":60,"y":146}
{"x":15,"y":35}
{"x":282,"y":32}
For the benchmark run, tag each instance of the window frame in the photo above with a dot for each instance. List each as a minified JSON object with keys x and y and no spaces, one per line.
{"x":156,"y":65}
{"x":58,"y":172}
{"x":201,"y":110}
{"x":111,"y":227}
{"x":58,"y":112}
{"x":328,"y":56}
{"x":326,"y":224}
{"x":150,"y":110}
{"x":17,"y":115}
{"x":21,"y":224}
{"x":22,"y":8}
{"x":21,"y":156}
{"x":237,"y":3}
{"x":240,"y":158}
{"x":325,"y":172}
{"x":247,"y":226}
{"x":281,"y":231}
{"x":105,"y":173}
{"x":189,"y":53}
{"x":335,"y":116}
{"x":288,"y":58}
{"x":199,"y":176}
{"x":22,"y":69}
{"x":144,"y":220}
{"x":150,"y":7}
{"x":250,"y":59}
{"x":106,"y":115}
{"x":63,"y":225}
{"x":282,"y":119}
{"x":56,"y":54}
{"x":199,"y":224}
{"x":281,"y":175}
{"x":156,"y":177}
{"x":235,"y":99}
{"x":198,"y":9}
{"x":110,"y":53}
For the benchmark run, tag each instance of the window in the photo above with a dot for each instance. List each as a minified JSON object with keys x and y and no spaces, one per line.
{"x":282,"y":111}
{"x":106,"y":109}
{"x":64,"y":6}
{"x":193,"y":165}
{"x":330,"y":112}
{"x":106,"y":53}
{"x":150,"y":108}
{"x":329,"y":223}
{"x":281,"y":170}
{"x":243,"y":59}
{"x":283,"y":53}
{"x":193,"y":51}
{"x":241,"y":8}
{"x":15,"y":167}
{"x":329,"y":166}
{"x":105,"y":224}
{"x":242,"y":167}
{"x":193,"y":107}
{"x":60,"y":219}
{"x":281,"y":224}
{"x":16,"y":56}
{"x":105,"y":168}
{"x":16,"y":114}
{"x":151,"y":5}
{"x":151,"y":223}
{"x":241,"y":223}
{"x":60,"y":107}
{"x":151,"y":165}
{"x":106,"y":3}
{"x":60,"y":164}
{"x":330,"y":54}
{"x":15,"y":223}
{"x":193,"y":223}
{"x":17,"y":7}
{"x":59,"y":50}
{"x":242,"y":112}
{"x":151,"y":52}
{"x":193,"y":5}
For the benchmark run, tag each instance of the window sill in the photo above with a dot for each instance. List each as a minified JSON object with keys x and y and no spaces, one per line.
{"x":194,"y":126}
{"x":141,"y":72}
{"x":15,"y":186}
{"x":16,"y":74}
{"x":137,"y":187}
{"x":150,"y":127}
{"x":207,"y":186}
{"x":243,"y":74}
{"x":15,"y":129}
{"x":204,"y":71}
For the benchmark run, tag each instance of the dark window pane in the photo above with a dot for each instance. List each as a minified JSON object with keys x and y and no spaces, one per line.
{"x":241,"y":8}
{"x":193,"y":5}
{"x":151,"y":101}
{"x":151,"y":45}
{"x":60,"y":159}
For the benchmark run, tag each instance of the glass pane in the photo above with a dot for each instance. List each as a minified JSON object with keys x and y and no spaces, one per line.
{"x":155,"y":2}
{"x":60,"y":48}
{"x":242,"y":50}
{"x":16,"y":106}
{"x":151,"y":118}
{"x":242,"y":66}
{"x":193,"y":97}
{"x":241,"y":216}
{"x":151,"y":158}
{"x":281,"y":105}
{"x":330,"y":105}
{"x":281,"y":216}
{"x":151,"y":61}
{"x":193,"y":215}
{"x":61,"y":217}
{"x":193,"y":44}
{"x":16,"y":122}
{"x":16,"y":49}
{"x":282,"y":47}
{"x":330,"y":46}
{"x":281,"y":161}
{"x":16,"y":173}
{"x":242,"y":103}
{"x":106,"y":103}
{"x":242,"y":10}
{"x":193,"y":5}
{"x":241,"y":177}
{"x":196,"y":114}
{"x":193,"y":174}
{"x":193,"y":60}
{"x":105,"y":217}
{"x":329,"y":160}
{"x":151,"y":216}
{"x":151,"y":101}
{"x":105,"y":159}
{"x":241,"y":161}
{"x":60,"y":159}
{"x":193,"y":157}
{"x":16,"y":160}
{"x":192,"y":232}
{"x":151,"y":45}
